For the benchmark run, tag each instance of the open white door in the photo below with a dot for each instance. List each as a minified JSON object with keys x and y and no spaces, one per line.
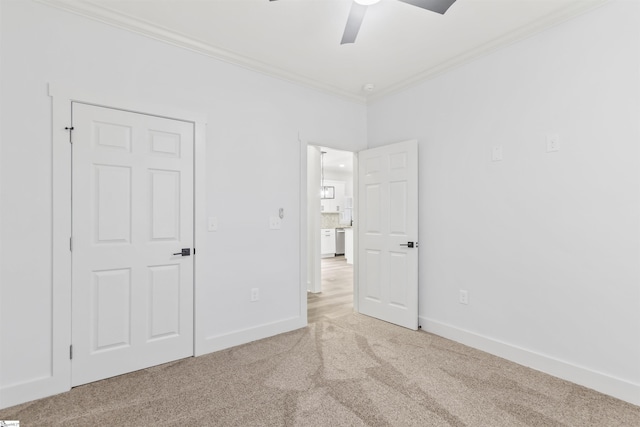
{"x":388,"y":233}
{"x":132,"y":288}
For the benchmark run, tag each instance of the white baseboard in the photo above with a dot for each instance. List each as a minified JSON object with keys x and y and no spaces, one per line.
{"x":243,"y":336}
{"x":39,"y":388}
{"x":616,"y":387}
{"x":31,"y":390}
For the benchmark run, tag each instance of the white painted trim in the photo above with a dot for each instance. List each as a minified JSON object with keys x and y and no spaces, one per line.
{"x":303,"y":249}
{"x":315,"y":284}
{"x":356,"y":233}
{"x":200,"y":231}
{"x":60,"y":375}
{"x":243,"y":336}
{"x":2,"y":397}
{"x":598,"y":381}
{"x":62,"y":97}
{"x":129,"y":23}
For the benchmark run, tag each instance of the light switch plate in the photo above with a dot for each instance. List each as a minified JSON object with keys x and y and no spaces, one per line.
{"x":275,"y":223}
{"x":212,"y":224}
{"x":464,"y":297}
{"x":553,"y":143}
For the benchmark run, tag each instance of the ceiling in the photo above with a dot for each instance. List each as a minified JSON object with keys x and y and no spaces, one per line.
{"x":398,"y":44}
{"x":337,"y":160}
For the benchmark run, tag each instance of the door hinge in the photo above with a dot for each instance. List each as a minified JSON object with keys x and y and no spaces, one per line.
{"x":70,"y":352}
{"x":70,"y":129}
{"x":70,"y":244}
{"x":194,"y":251}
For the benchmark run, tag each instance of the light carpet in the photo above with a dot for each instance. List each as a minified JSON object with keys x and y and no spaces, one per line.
{"x":349,"y":371}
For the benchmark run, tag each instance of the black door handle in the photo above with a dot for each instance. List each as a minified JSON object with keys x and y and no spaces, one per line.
{"x":408,"y":244}
{"x":185,"y":252}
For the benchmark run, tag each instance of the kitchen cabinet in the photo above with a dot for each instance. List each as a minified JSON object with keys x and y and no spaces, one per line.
{"x":337,"y":203}
{"x":327,"y":242}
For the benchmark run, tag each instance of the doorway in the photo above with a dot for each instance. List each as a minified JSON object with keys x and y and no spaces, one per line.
{"x":386,"y":237}
{"x":331,"y":255}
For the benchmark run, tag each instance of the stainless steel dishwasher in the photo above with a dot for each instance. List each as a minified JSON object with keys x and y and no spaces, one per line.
{"x":339,"y":241}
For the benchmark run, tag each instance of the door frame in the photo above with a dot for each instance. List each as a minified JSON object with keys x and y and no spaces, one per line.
{"x":62,"y":97}
{"x":313,"y":217}
{"x":304,"y":224}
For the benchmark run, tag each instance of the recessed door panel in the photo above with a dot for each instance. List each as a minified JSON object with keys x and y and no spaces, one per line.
{"x":113,"y":204}
{"x":111,"y":309}
{"x":371,"y":288}
{"x":372,"y":221}
{"x":398,"y":208}
{"x":372,"y":166}
{"x":164,"y":297}
{"x":397,"y":161}
{"x":165,"y":143}
{"x":398,"y":270}
{"x":112,"y":136}
{"x":165,"y":205}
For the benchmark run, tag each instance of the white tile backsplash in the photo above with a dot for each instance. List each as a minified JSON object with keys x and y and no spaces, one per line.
{"x":330,"y":220}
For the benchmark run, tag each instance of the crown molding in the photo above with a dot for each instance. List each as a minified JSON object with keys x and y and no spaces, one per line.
{"x":157,"y":32}
{"x":550,"y":20}
{"x":135,"y":25}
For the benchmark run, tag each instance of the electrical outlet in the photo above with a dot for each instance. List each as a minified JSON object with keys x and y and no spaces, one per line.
{"x":255,"y":294}
{"x":275,"y":223}
{"x":496,"y":153}
{"x":553,"y":143}
{"x":464,"y":297}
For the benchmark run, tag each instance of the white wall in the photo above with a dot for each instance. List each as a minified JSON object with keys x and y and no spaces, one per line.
{"x":545,"y":243}
{"x":253,"y":164}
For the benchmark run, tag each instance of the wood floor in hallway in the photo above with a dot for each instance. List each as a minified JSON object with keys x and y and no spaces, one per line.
{"x":336,"y":298}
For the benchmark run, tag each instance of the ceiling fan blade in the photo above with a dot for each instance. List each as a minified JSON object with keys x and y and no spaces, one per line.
{"x":356,"y":15}
{"x":438,"y":6}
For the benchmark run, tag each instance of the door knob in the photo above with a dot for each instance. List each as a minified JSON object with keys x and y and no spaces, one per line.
{"x":184,"y":252}
{"x":409,"y":244}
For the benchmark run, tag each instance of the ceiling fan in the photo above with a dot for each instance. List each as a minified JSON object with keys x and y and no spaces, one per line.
{"x":359,"y":8}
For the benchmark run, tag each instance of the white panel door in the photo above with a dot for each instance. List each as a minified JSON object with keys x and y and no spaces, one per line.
{"x":132,"y":296}
{"x":388,"y":227}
